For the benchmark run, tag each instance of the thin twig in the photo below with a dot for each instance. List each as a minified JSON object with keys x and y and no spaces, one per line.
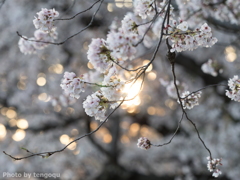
{"x":152,"y":21}
{"x":178,"y":127}
{"x":78,"y":13}
{"x":54,"y":152}
{"x":60,"y":43}
{"x":203,"y":89}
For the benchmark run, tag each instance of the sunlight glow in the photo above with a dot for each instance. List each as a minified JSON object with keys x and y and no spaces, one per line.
{"x":131,"y":93}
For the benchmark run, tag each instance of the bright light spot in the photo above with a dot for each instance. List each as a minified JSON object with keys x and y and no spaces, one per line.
{"x":128,"y":3}
{"x":134,"y":127}
{"x":89,"y":65}
{"x":73,"y":145}
{"x":41,"y":81}
{"x":22,"y":124}
{"x":3,"y":131}
{"x":19,"y":135}
{"x":74,"y":132}
{"x":119,"y":5}
{"x":145,"y":62}
{"x":229,"y":49}
{"x":58,"y":69}
{"x":131,"y":94}
{"x":131,"y":109}
{"x":230,"y":57}
{"x":125,"y":139}
{"x":107,"y":138}
{"x":42,"y":96}
{"x":230,"y":54}
{"x":152,"y":76}
{"x":11,"y":113}
{"x":151,"y":110}
{"x":64,"y":139}
{"x":110,"y":7}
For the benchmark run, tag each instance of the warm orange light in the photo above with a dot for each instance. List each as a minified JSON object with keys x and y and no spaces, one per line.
{"x":151,"y":110}
{"x":107,"y":138}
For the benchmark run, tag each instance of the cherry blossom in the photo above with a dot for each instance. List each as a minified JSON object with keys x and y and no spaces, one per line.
{"x":192,"y":40}
{"x":189,"y":101}
{"x":211,"y":67}
{"x":44,"y":21}
{"x":170,"y":87}
{"x":72,"y":84}
{"x":234,"y":85}
{"x":95,"y":106}
{"x":183,"y":26}
{"x":98,"y":55}
{"x":26,"y":47}
{"x":144,"y":143}
{"x":212,"y":166}
{"x":143,"y":7}
{"x":115,"y":90}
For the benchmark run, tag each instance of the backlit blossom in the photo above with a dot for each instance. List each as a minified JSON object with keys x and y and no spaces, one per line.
{"x":72,"y":84}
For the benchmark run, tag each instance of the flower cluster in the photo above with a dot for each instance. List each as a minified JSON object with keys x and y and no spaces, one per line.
{"x":44,"y":21}
{"x":170,"y":87}
{"x":143,"y":7}
{"x":96,"y":106}
{"x":144,"y":143}
{"x":196,"y":11}
{"x":121,"y":45}
{"x":234,"y":85}
{"x":212,"y":166}
{"x":45,"y":32}
{"x":190,"y":40}
{"x":128,"y":24}
{"x":190,"y":100}
{"x":72,"y":84}
{"x":98,"y":55}
{"x":25,"y":46}
{"x":211,"y":67}
{"x":41,"y":36}
{"x":114,"y":91}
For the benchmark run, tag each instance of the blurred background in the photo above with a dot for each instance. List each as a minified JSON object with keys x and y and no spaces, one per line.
{"x":28,"y":119}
